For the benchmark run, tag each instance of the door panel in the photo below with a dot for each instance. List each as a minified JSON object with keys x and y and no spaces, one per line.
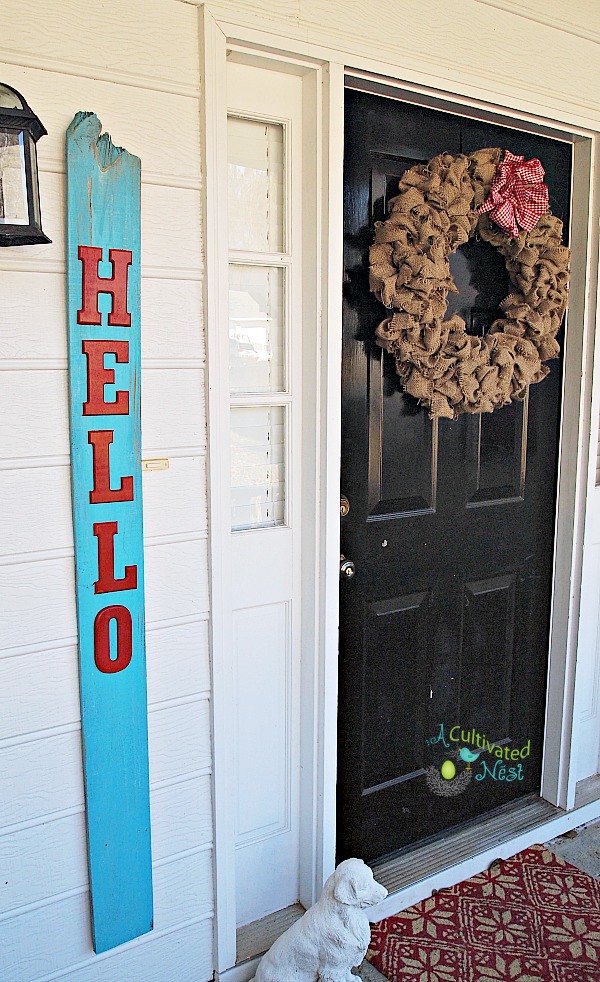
{"x":265,"y":370}
{"x":444,"y":627}
{"x":396,"y":632}
{"x":500,"y":454}
{"x":393,"y":488}
{"x":488,"y":630}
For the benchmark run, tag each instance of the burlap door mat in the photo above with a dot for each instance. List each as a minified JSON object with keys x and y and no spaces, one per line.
{"x":532,"y":918}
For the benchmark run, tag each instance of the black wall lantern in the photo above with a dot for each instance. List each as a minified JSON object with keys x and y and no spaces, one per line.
{"x":20,"y":129}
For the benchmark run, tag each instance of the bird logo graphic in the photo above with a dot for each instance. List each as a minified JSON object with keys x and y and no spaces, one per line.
{"x":468,"y":756}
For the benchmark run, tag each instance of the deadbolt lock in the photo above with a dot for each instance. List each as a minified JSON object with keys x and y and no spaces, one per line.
{"x":347,"y":568}
{"x":344,"y":506}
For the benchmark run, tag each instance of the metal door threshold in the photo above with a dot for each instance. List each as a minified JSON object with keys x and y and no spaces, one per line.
{"x":416,"y":873}
{"x":477,"y":836}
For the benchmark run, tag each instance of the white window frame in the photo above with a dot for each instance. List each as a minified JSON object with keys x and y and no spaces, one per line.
{"x":324,"y":71}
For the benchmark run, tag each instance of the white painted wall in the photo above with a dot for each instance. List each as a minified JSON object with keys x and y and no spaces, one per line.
{"x":135,"y":63}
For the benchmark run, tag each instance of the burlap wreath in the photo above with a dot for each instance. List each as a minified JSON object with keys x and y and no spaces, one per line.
{"x":447,"y":369}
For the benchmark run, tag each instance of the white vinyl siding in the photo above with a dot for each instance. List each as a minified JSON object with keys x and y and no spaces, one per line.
{"x":136,"y":66}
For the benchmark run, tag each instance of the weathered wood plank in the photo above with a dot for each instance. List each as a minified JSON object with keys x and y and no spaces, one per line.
{"x":185,"y":955}
{"x":49,"y":859}
{"x":171,"y":239}
{"x":172,"y":218}
{"x":103,"y":229}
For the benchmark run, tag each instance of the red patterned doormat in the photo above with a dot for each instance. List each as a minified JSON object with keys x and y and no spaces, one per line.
{"x":532,"y":918}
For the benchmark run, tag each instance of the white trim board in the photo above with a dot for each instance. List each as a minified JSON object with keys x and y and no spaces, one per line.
{"x":489,"y":83}
{"x":213,"y":121}
{"x":216,"y":50}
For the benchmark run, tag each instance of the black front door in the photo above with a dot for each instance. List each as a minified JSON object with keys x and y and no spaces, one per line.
{"x":444,"y":627}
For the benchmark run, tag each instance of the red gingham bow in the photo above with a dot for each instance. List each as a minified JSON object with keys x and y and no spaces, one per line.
{"x":517,"y":197}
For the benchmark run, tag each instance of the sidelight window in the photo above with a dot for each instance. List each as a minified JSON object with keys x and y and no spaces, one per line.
{"x":258,"y":321}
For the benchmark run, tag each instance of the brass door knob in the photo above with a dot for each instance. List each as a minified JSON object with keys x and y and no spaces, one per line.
{"x":347,"y":568}
{"x":344,"y":506}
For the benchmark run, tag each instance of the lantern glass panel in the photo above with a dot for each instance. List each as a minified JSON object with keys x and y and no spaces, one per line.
{"x":9,"y":99}
{"x":13,"y":179}
{"x":35,"y":215}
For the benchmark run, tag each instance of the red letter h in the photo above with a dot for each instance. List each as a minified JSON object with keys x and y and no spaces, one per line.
{"x":115,"y":285}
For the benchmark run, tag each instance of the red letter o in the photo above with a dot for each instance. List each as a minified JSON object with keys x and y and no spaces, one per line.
{"x":102,"y":639}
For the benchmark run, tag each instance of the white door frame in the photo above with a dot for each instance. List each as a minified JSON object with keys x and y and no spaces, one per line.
{"x":324,"y":71}
{"x":321,"y":463}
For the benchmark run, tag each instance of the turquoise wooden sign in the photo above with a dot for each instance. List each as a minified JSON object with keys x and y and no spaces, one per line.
{"x":103,"y":275}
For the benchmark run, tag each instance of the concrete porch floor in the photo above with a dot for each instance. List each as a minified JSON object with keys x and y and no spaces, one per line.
{"x":581,"y":847}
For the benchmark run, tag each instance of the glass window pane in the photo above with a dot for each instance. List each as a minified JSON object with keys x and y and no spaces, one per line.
{"x":9,"y":99}
{"x":13,"y":187}
{"x":257,"y":467}
{"x":256,"y":185}
{"x":256,"y":328}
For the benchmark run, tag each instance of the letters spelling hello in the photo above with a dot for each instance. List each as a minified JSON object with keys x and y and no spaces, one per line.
{"x":99,"y":376}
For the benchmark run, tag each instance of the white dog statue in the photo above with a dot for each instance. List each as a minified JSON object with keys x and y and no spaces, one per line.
{"x":332,"y":936}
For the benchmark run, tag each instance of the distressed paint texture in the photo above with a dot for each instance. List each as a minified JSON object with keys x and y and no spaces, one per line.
{"x":103,"y":217}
